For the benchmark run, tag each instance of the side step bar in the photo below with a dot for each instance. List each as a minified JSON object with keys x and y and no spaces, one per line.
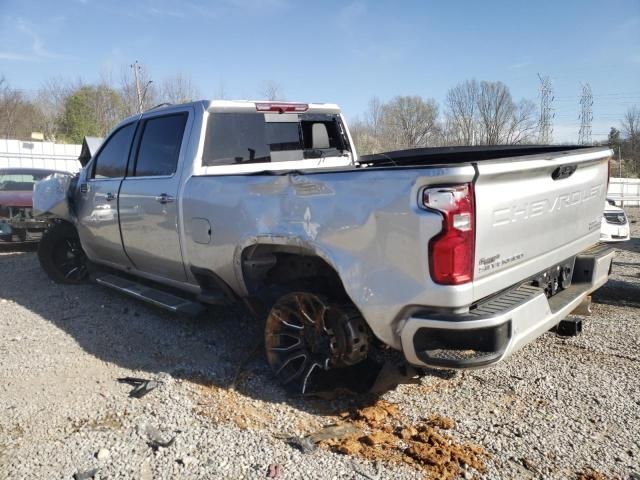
{"x":151,"y":295}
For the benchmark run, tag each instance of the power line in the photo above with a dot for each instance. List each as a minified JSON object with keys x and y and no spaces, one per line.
{"x":546,"y":110}
{"x":619,"y":94}
{"x":586,"y":115}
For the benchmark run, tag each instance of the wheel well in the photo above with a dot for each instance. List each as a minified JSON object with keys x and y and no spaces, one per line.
{"x":60,"y":221}
{"x":266,"y":268}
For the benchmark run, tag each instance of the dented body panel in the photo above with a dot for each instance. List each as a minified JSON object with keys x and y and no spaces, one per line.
{"x":376,"y":242}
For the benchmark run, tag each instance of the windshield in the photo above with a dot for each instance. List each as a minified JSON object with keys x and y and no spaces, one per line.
{"x":20,"y":180}
{"x":234,"y":138}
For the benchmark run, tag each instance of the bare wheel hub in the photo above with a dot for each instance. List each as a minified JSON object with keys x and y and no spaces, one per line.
{"x":305,"y":332}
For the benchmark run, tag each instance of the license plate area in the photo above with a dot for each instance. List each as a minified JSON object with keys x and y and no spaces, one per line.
{"x":556,"y":278}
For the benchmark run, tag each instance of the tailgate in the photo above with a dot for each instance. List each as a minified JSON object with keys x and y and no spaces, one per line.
{"x":535,"y":211}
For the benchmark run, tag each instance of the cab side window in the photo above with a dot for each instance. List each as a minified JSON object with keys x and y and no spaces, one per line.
{"x":160,"y":146}
{"x":111,"y":161}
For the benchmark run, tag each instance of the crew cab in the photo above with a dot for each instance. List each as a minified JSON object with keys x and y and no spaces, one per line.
{"x":456,"y":256}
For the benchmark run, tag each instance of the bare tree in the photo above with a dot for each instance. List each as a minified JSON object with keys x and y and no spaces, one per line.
{"x":462,"y":122}
{"x":271,"y":90}
{"x":108,"y":107}
{"x":501,"y":120}
{"x":368,"y":134}
{"x":178,"y":88}
{"x":10,"y":101}
{"x":631,"y":122}
{"x":631,"y":131}
{"x":221,"y":92}
{"x":495,"y":109}
{"x":365,"y":139}
{"x":523,"y":125}
{"x":51,"y":99}
{"x":410,"y":122}
{"x":375,"y":116}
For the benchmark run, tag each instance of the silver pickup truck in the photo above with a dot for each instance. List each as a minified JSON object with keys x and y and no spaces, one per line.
{"x":455,"y":256}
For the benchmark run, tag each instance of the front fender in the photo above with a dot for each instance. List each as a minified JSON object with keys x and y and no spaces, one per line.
{"x":51,"y":197}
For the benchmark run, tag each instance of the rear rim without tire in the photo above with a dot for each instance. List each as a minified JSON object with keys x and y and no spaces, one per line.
{"x":304,"y":335}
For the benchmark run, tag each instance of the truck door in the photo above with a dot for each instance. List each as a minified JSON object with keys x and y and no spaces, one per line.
{"x":98,"y":209}
{"x":148,"y":203}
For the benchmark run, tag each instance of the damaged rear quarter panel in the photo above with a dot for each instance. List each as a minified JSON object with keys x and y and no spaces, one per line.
{"x":366,"y":223}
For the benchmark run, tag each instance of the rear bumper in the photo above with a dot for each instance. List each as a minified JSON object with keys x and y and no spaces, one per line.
{"x":503,"y":324}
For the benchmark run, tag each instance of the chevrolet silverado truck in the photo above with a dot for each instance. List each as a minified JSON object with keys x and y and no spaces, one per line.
{"x":456,"y":256}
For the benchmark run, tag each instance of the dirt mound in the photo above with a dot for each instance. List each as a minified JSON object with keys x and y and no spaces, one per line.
{"x":388,"y":437}
{"x":589,"y":474}
{"x":229,"y":406}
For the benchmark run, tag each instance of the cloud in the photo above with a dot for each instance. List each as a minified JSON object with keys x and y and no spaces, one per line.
{"x":520,"y":65}
{"x":366,"y":44}
{"x":38,"y":48}
{"x":165,"y":12}
{"x":16,"y":56}
{"x":114,"y":59}
{"x":253,"y":5}
{"x":350,"y":15}
{"x":190,"y":8}
{"x":630,"y":23}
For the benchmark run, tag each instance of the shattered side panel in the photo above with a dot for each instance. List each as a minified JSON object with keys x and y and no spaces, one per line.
{"x":365,"y":223}
{"x":50,"y":196}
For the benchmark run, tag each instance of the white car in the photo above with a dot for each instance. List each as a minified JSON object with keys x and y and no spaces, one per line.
{"x":615,"y":226}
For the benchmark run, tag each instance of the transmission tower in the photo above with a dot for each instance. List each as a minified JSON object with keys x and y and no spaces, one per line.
{"x":546,"y":111}
{"x":586,"y":115}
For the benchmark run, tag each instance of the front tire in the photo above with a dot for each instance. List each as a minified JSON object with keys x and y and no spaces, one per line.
{"x":61,"y":255}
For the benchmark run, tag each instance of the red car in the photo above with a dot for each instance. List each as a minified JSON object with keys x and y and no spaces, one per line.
{"x":16,"y":201}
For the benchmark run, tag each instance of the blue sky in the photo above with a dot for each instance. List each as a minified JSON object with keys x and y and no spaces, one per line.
{"x":339,"y":51}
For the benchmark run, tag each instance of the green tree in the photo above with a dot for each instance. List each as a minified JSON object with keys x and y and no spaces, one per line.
{"x":90,"y":111}
{"x":78,"y":118}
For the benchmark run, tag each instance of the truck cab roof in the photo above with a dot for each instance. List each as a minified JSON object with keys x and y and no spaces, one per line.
{"x":240,"y":106}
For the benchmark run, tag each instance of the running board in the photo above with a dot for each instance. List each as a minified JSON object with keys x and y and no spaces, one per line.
{"x":156,"y":297}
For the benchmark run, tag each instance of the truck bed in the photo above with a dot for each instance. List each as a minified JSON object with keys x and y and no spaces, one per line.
{"x":454,"y":155}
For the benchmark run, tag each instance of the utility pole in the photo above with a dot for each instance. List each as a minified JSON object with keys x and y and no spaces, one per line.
{"x":141,"y":93}
{"x":620,"y":160}
{"x":136,"y":67}
{"x":586,"y":115}
{"x":546,"y":111}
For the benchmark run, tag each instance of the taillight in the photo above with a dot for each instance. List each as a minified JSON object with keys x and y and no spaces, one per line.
{"x":282,"y":107}
{"x":608,"y":173}
{"x":451,"y":252}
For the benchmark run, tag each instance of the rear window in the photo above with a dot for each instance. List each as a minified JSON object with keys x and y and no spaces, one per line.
{"x":234,"y":138}
{"x":160,"y":146}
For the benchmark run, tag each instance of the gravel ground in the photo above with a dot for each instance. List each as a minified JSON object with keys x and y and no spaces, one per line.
{"x":558,"y":408}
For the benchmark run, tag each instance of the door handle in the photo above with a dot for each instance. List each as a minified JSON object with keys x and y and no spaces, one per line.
{"x":110,"y":196}
{"x":164,"y":198}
